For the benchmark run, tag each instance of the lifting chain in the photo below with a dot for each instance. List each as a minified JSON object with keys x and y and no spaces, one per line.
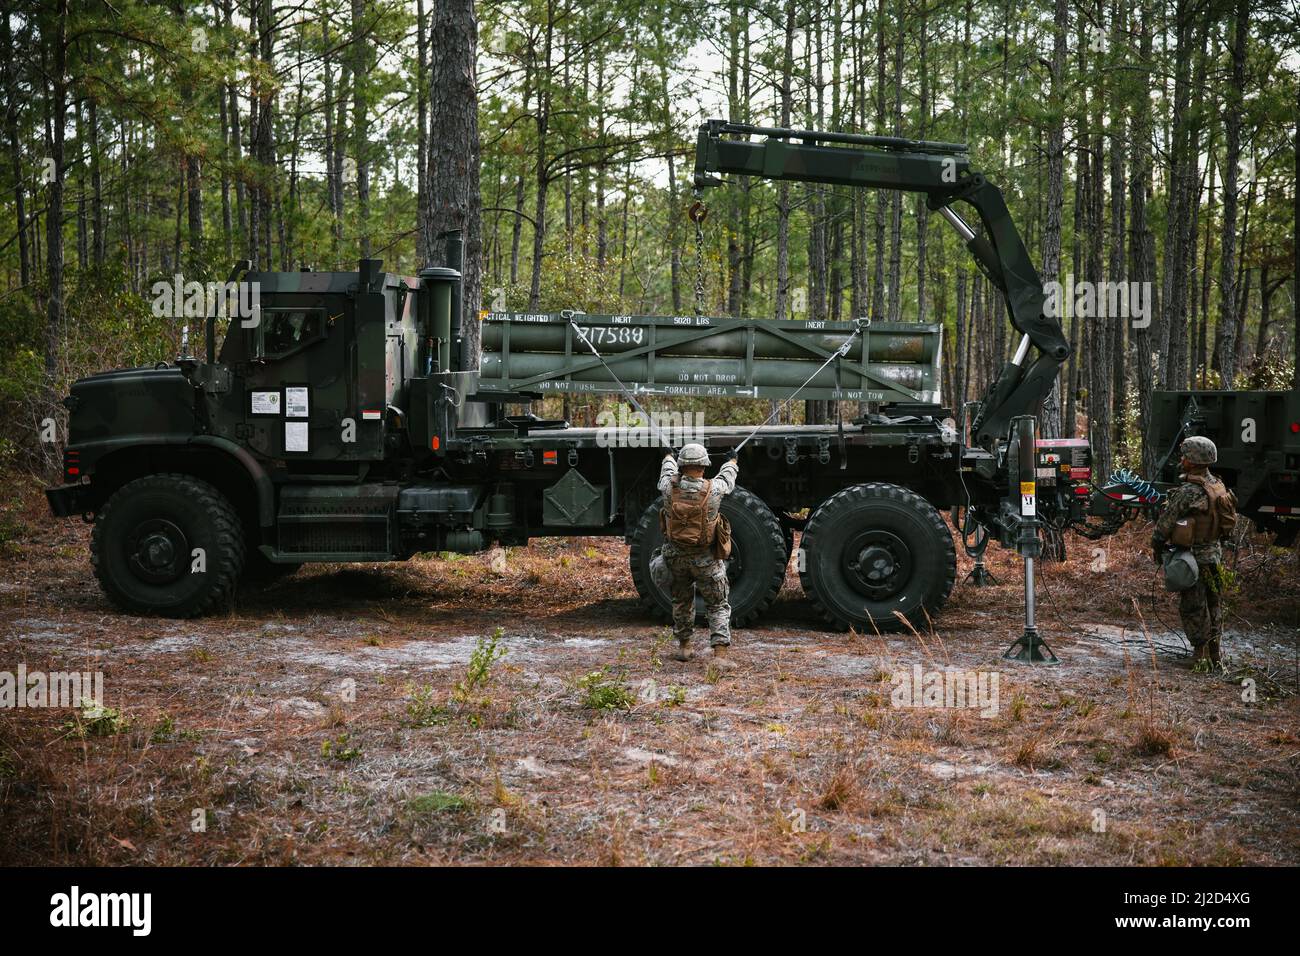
{"x":696,"y":214}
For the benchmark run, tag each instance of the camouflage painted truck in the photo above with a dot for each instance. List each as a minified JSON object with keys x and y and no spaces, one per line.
{"x":347,"y":423}
{"x":1257,"y":434}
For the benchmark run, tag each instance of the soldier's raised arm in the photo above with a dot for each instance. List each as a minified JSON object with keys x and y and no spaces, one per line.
{"x":667,"y":472}
{"x":725,"y":481}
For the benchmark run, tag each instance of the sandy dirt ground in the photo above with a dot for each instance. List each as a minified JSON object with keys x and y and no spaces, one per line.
{"x":465,"y":710}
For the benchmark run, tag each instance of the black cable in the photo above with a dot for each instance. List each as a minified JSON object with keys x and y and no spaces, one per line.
{"x":1155,"y":611}
{"x":1076,"y":633}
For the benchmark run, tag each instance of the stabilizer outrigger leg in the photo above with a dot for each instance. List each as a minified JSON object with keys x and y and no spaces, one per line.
{"x":1029,"y":648}
{"x":979,"y":575}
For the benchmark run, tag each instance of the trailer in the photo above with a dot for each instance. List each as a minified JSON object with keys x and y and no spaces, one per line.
{"x":1257,"y":434}
{"x":346,"y":421}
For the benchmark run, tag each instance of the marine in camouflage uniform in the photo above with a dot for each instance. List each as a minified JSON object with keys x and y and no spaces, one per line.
{"x":694,"y":569}
{"x":1200,"y":606}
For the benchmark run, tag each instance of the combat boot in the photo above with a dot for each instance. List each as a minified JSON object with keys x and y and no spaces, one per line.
{"x":1214,"y":653}
{"x":1201,"y":658}
{"x":721,"y":662}
{"x":683,"y":652}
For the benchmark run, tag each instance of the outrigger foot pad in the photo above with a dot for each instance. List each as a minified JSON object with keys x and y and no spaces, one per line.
{"x":1029,"y":648}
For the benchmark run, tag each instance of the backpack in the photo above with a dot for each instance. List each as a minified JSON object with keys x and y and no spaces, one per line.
{"x":685,"y":523}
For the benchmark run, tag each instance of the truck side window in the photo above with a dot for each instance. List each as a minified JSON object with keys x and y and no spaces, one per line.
{"x":287,"y":330}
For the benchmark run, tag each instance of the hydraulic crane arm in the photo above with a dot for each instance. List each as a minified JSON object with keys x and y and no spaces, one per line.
{"x":942,"y":172}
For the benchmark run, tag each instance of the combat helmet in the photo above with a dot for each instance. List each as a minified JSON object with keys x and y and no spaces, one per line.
{"x":1199,"y":450}
{"x":693,"y":454}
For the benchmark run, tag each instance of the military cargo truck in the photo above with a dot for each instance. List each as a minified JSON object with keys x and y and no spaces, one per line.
{"x":1257,"y":434}
{"x":344,"y":421}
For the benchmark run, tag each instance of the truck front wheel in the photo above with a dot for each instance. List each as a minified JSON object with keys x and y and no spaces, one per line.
{"x":873,"y":552}
{"x":756,"y":567}
{"x":168,"y":544}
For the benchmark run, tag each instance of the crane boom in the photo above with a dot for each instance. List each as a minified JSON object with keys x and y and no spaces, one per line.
{"x":941,"y":171}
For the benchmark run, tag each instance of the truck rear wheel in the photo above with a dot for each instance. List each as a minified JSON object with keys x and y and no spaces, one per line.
{"x":875,"y":549}
{"x":756,"y":567}
{"x":144,"y":540}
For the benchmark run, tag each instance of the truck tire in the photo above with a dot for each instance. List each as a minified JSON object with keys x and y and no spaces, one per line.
{"x":874,"y":549}
{"x":143,"y":540}
{"x":756,"y":567}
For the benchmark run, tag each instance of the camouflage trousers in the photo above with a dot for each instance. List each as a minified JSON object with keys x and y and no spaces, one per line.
{"x":684,"y":574}
{"x":1201,"y":608}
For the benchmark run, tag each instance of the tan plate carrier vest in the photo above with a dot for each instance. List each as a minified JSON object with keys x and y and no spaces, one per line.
{"x":1216,"y":522}
{"x":685,"y":522}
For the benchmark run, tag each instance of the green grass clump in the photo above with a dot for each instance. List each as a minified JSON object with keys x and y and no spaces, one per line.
{"x":602,"y":691}
{"x":438,"y":801}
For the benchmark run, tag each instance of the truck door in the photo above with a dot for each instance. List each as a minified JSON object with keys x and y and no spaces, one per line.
{"x":289,"y":368}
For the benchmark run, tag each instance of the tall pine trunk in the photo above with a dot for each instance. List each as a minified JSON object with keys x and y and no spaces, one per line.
{"x":1051,"y":270}
{"x":783,"y":188}
{"x":54,"y":37}
{"x":454,"y":200}
{"x":423,"y":241}
{"x":1227,"y":353}
{"x":1142,"y":243}
{"x":7,"y":58}
{"x":360,"y":127}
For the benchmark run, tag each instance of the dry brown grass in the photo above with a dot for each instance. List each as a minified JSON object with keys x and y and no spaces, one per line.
{"x":1153,"y":741}
{"x":840,"y":789}
{"x":231,"y":717}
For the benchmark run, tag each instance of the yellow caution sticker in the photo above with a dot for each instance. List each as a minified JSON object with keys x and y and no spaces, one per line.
{"x":1028,"y":505}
